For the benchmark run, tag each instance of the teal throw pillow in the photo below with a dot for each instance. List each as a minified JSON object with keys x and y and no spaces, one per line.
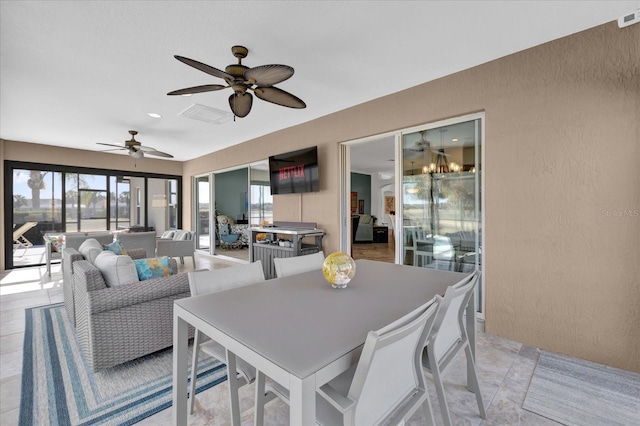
{"x":153,"y":268}
{"x":116,"y":247}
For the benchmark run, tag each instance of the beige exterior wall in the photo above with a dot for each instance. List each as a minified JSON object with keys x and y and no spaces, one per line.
{"x":562,"y":184}
{"x":562,"y":188}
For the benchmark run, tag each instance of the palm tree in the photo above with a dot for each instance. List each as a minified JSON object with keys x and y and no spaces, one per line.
{"x":36,"y":183}
{"x":19,"y":201}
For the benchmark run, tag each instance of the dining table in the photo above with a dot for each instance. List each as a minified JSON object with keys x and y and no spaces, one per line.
{"x":299,"y":330}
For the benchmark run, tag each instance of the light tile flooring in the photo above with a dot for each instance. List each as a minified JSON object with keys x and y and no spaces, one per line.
{"x":504,"y":366}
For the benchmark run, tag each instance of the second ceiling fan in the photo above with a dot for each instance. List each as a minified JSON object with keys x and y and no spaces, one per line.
{"x":242,"y":80}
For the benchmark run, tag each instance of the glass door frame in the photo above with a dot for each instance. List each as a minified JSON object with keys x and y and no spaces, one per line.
{"x":212,"y":194}
{"x":345,"y":188}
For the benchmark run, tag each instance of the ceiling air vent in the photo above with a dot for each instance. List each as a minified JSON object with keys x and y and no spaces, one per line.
{"x":207,"y":113}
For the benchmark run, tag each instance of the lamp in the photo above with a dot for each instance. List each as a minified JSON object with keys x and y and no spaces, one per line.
{"x":412,"y":187}
{"x":136,"y":154}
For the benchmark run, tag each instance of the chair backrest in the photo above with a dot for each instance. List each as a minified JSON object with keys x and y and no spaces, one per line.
{"x":134,"y":240}
{"x":449,"y":333}
{"x":75,"y":239}
{"x":392,"y":221}
{"x":201,"y":282}
{"x":388,"y":382}
{"x":286,"y":266}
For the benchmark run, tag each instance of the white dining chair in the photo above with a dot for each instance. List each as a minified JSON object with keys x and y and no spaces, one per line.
{"x":422,"y":246}
{"x":386,"y":386}
{"x":286,"y":266}
{"x":448,"y":337}
{"x":201,"y":282}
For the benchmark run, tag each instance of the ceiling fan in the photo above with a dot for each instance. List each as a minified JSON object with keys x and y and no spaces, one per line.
{"x":243,"y":79}
{"x":135,"y":148}
{"x":423,"y":144}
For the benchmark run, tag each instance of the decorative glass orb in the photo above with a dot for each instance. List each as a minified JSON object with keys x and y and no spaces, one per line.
{"x":338,"y":269}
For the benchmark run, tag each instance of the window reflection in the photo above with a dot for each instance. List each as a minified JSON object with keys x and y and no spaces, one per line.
{"x":441,"y":209}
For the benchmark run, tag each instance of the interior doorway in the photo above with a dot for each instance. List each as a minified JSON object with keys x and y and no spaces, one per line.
{"x":372,"y":198}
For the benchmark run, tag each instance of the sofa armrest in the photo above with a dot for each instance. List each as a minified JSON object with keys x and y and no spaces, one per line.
{"x":132,"y":294}
{"x":86,"y":277}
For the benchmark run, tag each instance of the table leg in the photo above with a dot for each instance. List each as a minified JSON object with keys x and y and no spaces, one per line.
{"x":302,"y":409}
{"x":232,"y":379}
{"x":180,"y":365}
{"x":47,"y":249}
{"x":258,"y":418}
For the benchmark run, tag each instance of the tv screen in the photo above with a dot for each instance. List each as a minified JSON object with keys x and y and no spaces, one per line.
{"x":295,"y":171}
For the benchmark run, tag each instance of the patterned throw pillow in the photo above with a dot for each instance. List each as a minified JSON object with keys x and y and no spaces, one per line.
{"x":57,"y":243}
{"x":153,"y":268}
{"x":116,"y":247}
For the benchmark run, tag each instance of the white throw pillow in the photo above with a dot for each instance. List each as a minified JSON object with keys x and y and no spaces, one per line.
{"x":90,"y":249}
{"x":116,"y":270}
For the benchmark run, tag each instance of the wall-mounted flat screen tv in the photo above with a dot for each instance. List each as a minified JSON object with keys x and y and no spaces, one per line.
{"x":295,"y":171}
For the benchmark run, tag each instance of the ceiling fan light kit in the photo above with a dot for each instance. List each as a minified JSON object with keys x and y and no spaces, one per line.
{"x":242,"y":80}
{"x":135,"y":148}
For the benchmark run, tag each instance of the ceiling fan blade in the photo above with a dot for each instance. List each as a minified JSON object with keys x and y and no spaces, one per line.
{"x":198,"y":89}
{"x":157,"y":153}
{"x":279,"y":97}
{"x":111,"y":144}
{"x":152,"y":151}
{"x":268,"y":75}
{"x":241,"y":104}
{"x":204,"y":68}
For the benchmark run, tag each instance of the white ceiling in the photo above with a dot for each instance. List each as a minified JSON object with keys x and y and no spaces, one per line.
{"x":76,"y":73}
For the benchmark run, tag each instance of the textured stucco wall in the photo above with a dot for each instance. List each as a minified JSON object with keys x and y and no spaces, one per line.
{"x":562,"y":148}
{"x":562,"y":185}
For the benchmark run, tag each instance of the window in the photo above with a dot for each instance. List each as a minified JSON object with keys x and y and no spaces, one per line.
{"x":50,"y":199}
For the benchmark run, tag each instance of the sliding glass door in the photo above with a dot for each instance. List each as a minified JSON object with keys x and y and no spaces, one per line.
{"x":203,"y":208}
{"x":431,"y":199}
{"x":45,"y":200}
{"x":441,"y":198}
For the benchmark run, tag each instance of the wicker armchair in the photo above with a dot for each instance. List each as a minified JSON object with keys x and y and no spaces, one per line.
{"x":118,"y":324}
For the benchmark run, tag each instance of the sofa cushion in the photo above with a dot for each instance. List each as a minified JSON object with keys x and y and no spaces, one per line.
{"x":181,"y":235}
{"x":153,"y":268}
{"x":116,"y":247}
{"x":168,"y":234}
{"x":117,"y":270}
{"x":90,"y":249}
{"x":366,"y":219}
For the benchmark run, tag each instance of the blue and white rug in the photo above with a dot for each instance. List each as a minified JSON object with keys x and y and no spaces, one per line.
{"x":59,"y":388}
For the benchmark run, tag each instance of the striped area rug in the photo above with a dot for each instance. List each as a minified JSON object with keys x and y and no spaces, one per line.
{"x":58,"y":387}
{"x":576,"y":392}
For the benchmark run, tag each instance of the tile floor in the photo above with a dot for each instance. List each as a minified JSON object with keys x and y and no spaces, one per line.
{"x":504,"y":366}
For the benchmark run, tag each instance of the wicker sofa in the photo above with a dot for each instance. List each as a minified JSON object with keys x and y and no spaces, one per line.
{"x":118,"y":324}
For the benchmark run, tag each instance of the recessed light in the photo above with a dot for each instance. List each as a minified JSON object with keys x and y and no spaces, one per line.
{"x":154,"y":115}
{"x":454,"y":140}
